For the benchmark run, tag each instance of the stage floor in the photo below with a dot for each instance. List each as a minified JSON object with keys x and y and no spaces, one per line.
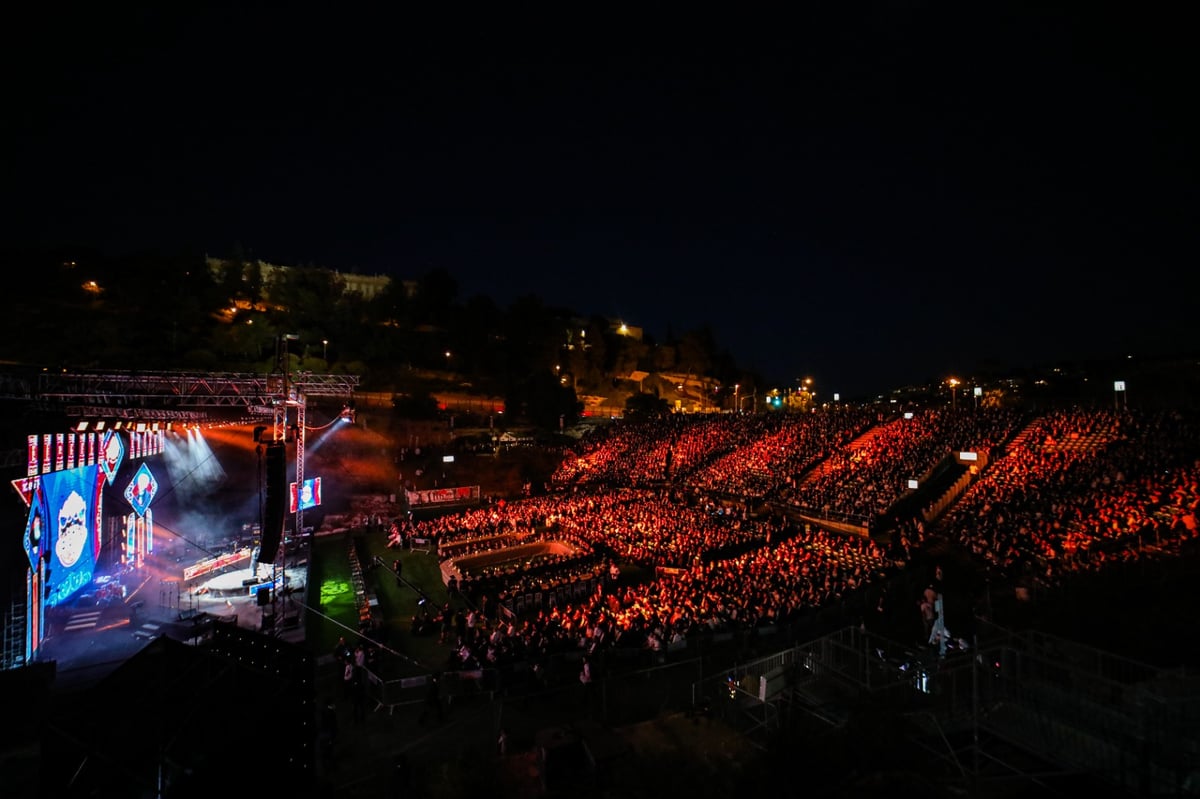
{"x":239,"y":582}
{"x":88,"y":639}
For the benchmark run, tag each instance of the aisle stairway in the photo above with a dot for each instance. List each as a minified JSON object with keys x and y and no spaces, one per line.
{"x":1086,"y":441}
{"x":825,"y":466}
{"x":1024,"y":438}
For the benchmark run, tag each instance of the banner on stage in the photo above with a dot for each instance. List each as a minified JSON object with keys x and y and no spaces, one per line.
{"x":215,"y":564}
{"x":442,"y":496}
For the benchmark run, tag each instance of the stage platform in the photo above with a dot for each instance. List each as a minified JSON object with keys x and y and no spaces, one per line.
{"x":226,"y":596}
{"x":244,"y":582}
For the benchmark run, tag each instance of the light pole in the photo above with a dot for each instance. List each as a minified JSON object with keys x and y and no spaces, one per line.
{"x":325,"y":349}
{"x":953,"y":393}
{"x":737,"y":408}
{"x":805,"y":392}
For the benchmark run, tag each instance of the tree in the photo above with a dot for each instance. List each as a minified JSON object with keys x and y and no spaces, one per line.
{"x":698,"y":351}
{"x":418,"y":406}
{"x":254,"y":281}
{"x":231,"y":275}
{"x":305,"y":300}
{"x":646,"y":405}
{"x":542,"y":400}
{"x":435,"y":297}
{"x":477,"y":340}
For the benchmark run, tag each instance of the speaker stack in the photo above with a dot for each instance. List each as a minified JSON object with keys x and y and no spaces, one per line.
{"x":275,"y":505}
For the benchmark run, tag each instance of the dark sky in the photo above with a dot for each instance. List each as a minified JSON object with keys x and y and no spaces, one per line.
{"x":871,"y":199}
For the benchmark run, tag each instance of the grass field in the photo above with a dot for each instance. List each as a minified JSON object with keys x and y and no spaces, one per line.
{"x":364,"y":459}
{"x":332,"y":594}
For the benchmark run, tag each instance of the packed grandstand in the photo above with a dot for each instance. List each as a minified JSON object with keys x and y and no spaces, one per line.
{"x":769,"y":520}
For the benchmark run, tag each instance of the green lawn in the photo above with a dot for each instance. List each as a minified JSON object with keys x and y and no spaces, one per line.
{"x":331,"y":592}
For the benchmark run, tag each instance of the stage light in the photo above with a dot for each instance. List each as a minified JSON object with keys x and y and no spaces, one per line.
{"x":100,"y":425}
{"x":117,"y":425}
{"x":81,"y":427}
{"x":141,"y":427}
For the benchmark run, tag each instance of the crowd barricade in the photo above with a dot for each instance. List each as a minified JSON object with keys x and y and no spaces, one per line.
{"x":513,"y":680}
{"x":392,"y":694}
{"x":559,"y":595}
{"x":365,"y":600}
{"x":406,"y":691}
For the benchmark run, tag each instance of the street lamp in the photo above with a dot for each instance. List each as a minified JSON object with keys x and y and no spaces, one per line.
{"x":736,"y":406}
{"x":953,"y":393}
{"x":325,"y":349}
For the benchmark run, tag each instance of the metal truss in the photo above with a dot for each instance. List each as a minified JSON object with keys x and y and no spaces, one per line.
{"x":91,"y":393}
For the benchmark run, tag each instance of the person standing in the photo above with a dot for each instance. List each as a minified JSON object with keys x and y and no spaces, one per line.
{"x":585,"y":673}
{"x":433,"y":699}
{"x":348,"y":675}
{"x":927,"y":613}
{"x":358,"y":690}
{"x":939,"y":635}
{"x":341,"y":650}
{"x":329,"y":729}
{"x":445,"y":624}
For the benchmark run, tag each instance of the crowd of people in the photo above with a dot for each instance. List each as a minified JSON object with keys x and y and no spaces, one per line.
{"x":1042,"y":507}
{"x":1083,"y":490}
{"x":862,"y":481}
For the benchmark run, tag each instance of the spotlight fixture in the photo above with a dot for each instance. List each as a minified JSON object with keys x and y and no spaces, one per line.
{"x":81,"y":427}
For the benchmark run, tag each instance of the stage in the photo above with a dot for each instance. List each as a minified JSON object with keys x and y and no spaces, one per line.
{"x":235,"y":593}
{"x":240,"y":582}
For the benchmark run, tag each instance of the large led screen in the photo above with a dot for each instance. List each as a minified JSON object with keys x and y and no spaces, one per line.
{"x":307,"y":495}
{"x":68,"y":518}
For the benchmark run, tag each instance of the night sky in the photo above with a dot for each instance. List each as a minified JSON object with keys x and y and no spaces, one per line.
{"x":898,"y":194}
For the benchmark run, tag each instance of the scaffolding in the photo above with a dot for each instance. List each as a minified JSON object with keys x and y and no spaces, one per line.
{"x":1020,"y":708}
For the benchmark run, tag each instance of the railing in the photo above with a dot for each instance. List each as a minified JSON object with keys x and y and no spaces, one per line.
{"x":1088,"y":710}
{"x":365,"y":601}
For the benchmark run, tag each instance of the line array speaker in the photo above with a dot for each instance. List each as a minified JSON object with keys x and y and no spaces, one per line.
{"x":275,"y":505}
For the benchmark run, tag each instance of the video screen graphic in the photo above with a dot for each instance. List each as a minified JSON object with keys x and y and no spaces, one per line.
{"x":112,"y":450}
{"x":308,"y":495}
{"x":141,"y":490}
{"x":65,"y":517}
